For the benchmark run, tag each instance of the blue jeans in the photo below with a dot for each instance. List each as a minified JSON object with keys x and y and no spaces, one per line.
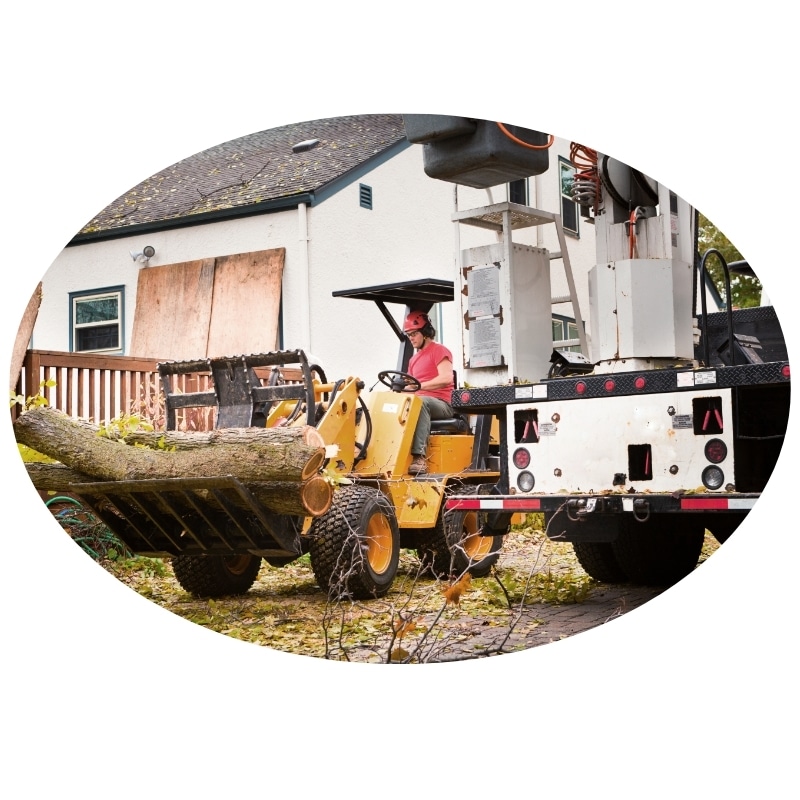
{"x":432,"y":408}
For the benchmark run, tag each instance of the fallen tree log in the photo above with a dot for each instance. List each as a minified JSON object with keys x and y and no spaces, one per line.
{"x":253,"y":455}
{"x":312,"y":496}
{"x":55,"y":477}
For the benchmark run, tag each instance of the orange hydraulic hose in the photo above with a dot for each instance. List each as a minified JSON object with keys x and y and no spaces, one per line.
{"x":518,"y":141}
{"x":584,"y":159}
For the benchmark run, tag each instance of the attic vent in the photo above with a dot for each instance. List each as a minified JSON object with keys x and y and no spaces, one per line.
{"x":365,"y":196}
{"x":301,"y":147}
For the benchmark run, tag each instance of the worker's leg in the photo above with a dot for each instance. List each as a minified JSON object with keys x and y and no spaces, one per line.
{"x":432,"y":408}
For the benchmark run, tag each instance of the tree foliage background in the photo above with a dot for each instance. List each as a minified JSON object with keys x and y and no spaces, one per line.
{"x":745,"y":289}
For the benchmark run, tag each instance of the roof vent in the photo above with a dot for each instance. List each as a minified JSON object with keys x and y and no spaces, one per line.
{"x":308,"y":144}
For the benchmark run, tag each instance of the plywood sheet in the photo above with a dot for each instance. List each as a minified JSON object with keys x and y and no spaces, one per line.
{"x":173,"y":311}
{"x":246,"y":304}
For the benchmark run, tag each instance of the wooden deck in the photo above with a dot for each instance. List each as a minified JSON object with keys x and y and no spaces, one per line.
{"x":102,"y":388}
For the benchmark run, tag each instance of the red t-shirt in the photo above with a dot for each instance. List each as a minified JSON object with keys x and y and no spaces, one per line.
{"x":424,"y":366}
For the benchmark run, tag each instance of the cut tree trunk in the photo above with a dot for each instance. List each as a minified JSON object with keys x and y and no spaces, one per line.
{"x":282,"y":464}
{"x":311,"y":497}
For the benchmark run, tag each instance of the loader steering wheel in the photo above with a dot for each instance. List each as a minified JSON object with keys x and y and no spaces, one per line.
{"x":398,"y":381}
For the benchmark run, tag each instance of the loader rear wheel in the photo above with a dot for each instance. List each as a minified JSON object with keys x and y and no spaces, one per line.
{"x":355,"y":545}
{"x":599,"y":562}
{"x":455,"y":545}
{"x":660,"y":551}
{"x":216,"y":576}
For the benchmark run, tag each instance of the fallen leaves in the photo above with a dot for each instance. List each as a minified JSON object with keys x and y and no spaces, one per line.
{"x":454,"y":592}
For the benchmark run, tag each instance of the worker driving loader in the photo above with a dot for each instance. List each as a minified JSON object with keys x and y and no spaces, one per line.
{"x":387,"y":503}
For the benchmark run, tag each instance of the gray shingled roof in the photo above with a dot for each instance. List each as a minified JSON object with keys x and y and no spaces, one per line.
{"x":253,"y":172}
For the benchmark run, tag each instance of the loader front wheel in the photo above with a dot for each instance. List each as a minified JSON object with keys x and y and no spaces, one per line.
{"x":456,"y":546}
{"x":355,"y":545}
{"x":216,"y":576}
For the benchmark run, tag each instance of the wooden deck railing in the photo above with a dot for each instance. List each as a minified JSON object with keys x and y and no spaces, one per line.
{"x":101,"y":388}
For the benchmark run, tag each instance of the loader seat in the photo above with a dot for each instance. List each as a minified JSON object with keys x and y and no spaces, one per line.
{"x":457,"y":424}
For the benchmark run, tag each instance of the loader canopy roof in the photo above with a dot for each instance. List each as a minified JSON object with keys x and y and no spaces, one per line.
{"x":421,"y":293}
{"x":416,"y":295}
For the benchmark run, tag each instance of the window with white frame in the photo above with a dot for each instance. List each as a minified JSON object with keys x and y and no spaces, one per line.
{"x":96,"y":320}
{"x":569,"y":208}
{"x":565,"y":329}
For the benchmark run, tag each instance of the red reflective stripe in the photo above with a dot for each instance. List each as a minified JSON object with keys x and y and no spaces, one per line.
{"x":466,"y":505}
{"x":523,"y":503}
{"x":697,"y":503}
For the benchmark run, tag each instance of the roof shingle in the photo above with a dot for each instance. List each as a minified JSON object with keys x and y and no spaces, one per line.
{"x":254,"y":169}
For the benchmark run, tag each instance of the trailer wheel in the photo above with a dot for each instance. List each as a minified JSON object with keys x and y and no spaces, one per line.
{"x":599,"y":562}
{"x":216,"y":576}
{"x":659,"y":552}
{"x":355,"y":545}
{"x":455,"y":545}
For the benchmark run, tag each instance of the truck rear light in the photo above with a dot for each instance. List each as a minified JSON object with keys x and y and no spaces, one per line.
{"x":521,"y":458}
{"x":716,"y":451}
{"x":609,"y":385}
{"x":785,"y":371}
{"x":713,"y":478}
{"x":525,"y":481}
{"x":640,"y":382}
{"x":580,"y":387}
{"x":465,"y":396}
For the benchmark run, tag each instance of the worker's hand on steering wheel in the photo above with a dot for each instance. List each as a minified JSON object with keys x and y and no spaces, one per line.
{"x":398,"y":381}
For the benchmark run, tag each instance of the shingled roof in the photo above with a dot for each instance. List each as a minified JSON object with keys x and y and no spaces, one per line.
{"x":254,"y":174}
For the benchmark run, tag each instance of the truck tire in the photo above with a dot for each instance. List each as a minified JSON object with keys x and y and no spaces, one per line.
{"x":722,"y":526}
{"x":660,"y":551}
{"x":599,"y":562}
{"x":455,"y":547}
{"x":216,"y":576}
{"x":355,"y":545}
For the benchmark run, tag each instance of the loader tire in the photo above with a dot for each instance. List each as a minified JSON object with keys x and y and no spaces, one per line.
{"x":660,"y":551}
{"x":355,"y":545}
{"x":216,"y":576}
{"x":455,"y":546}
{"x":599,"y":562}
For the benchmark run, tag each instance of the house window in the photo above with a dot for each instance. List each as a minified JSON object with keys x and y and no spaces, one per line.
{"x":365,"y":196}
{"x":569,"y":208}
{"x":96,"y":320}
{"x":518,"y":192}
{"x":565,"y":330}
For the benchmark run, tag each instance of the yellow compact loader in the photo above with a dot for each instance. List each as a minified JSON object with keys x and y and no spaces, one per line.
{"x":216,"y":530}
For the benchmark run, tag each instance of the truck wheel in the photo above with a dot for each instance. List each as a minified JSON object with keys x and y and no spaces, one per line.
{"x":216,"y":576}
{"x":599,"y":562}
{"x":455,"y":545}
{"x":355,"y":545}
{"x":658,"y":552}
{"x":721,"y":526}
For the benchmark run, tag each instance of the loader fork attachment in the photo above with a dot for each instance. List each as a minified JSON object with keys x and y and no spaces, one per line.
{"x":238,"y":394}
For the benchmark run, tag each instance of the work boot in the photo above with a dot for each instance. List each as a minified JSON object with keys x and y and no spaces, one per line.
{"x":418,"y":465}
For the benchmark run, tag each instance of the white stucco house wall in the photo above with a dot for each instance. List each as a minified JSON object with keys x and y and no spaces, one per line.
{"x":352,"y":208}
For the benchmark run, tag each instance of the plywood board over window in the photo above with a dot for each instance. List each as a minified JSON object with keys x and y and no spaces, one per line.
{"x":213,"y":307}
{"x":244,"y":311}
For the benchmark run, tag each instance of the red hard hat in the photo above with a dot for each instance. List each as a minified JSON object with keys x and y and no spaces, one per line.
{"x":415,"y":321}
